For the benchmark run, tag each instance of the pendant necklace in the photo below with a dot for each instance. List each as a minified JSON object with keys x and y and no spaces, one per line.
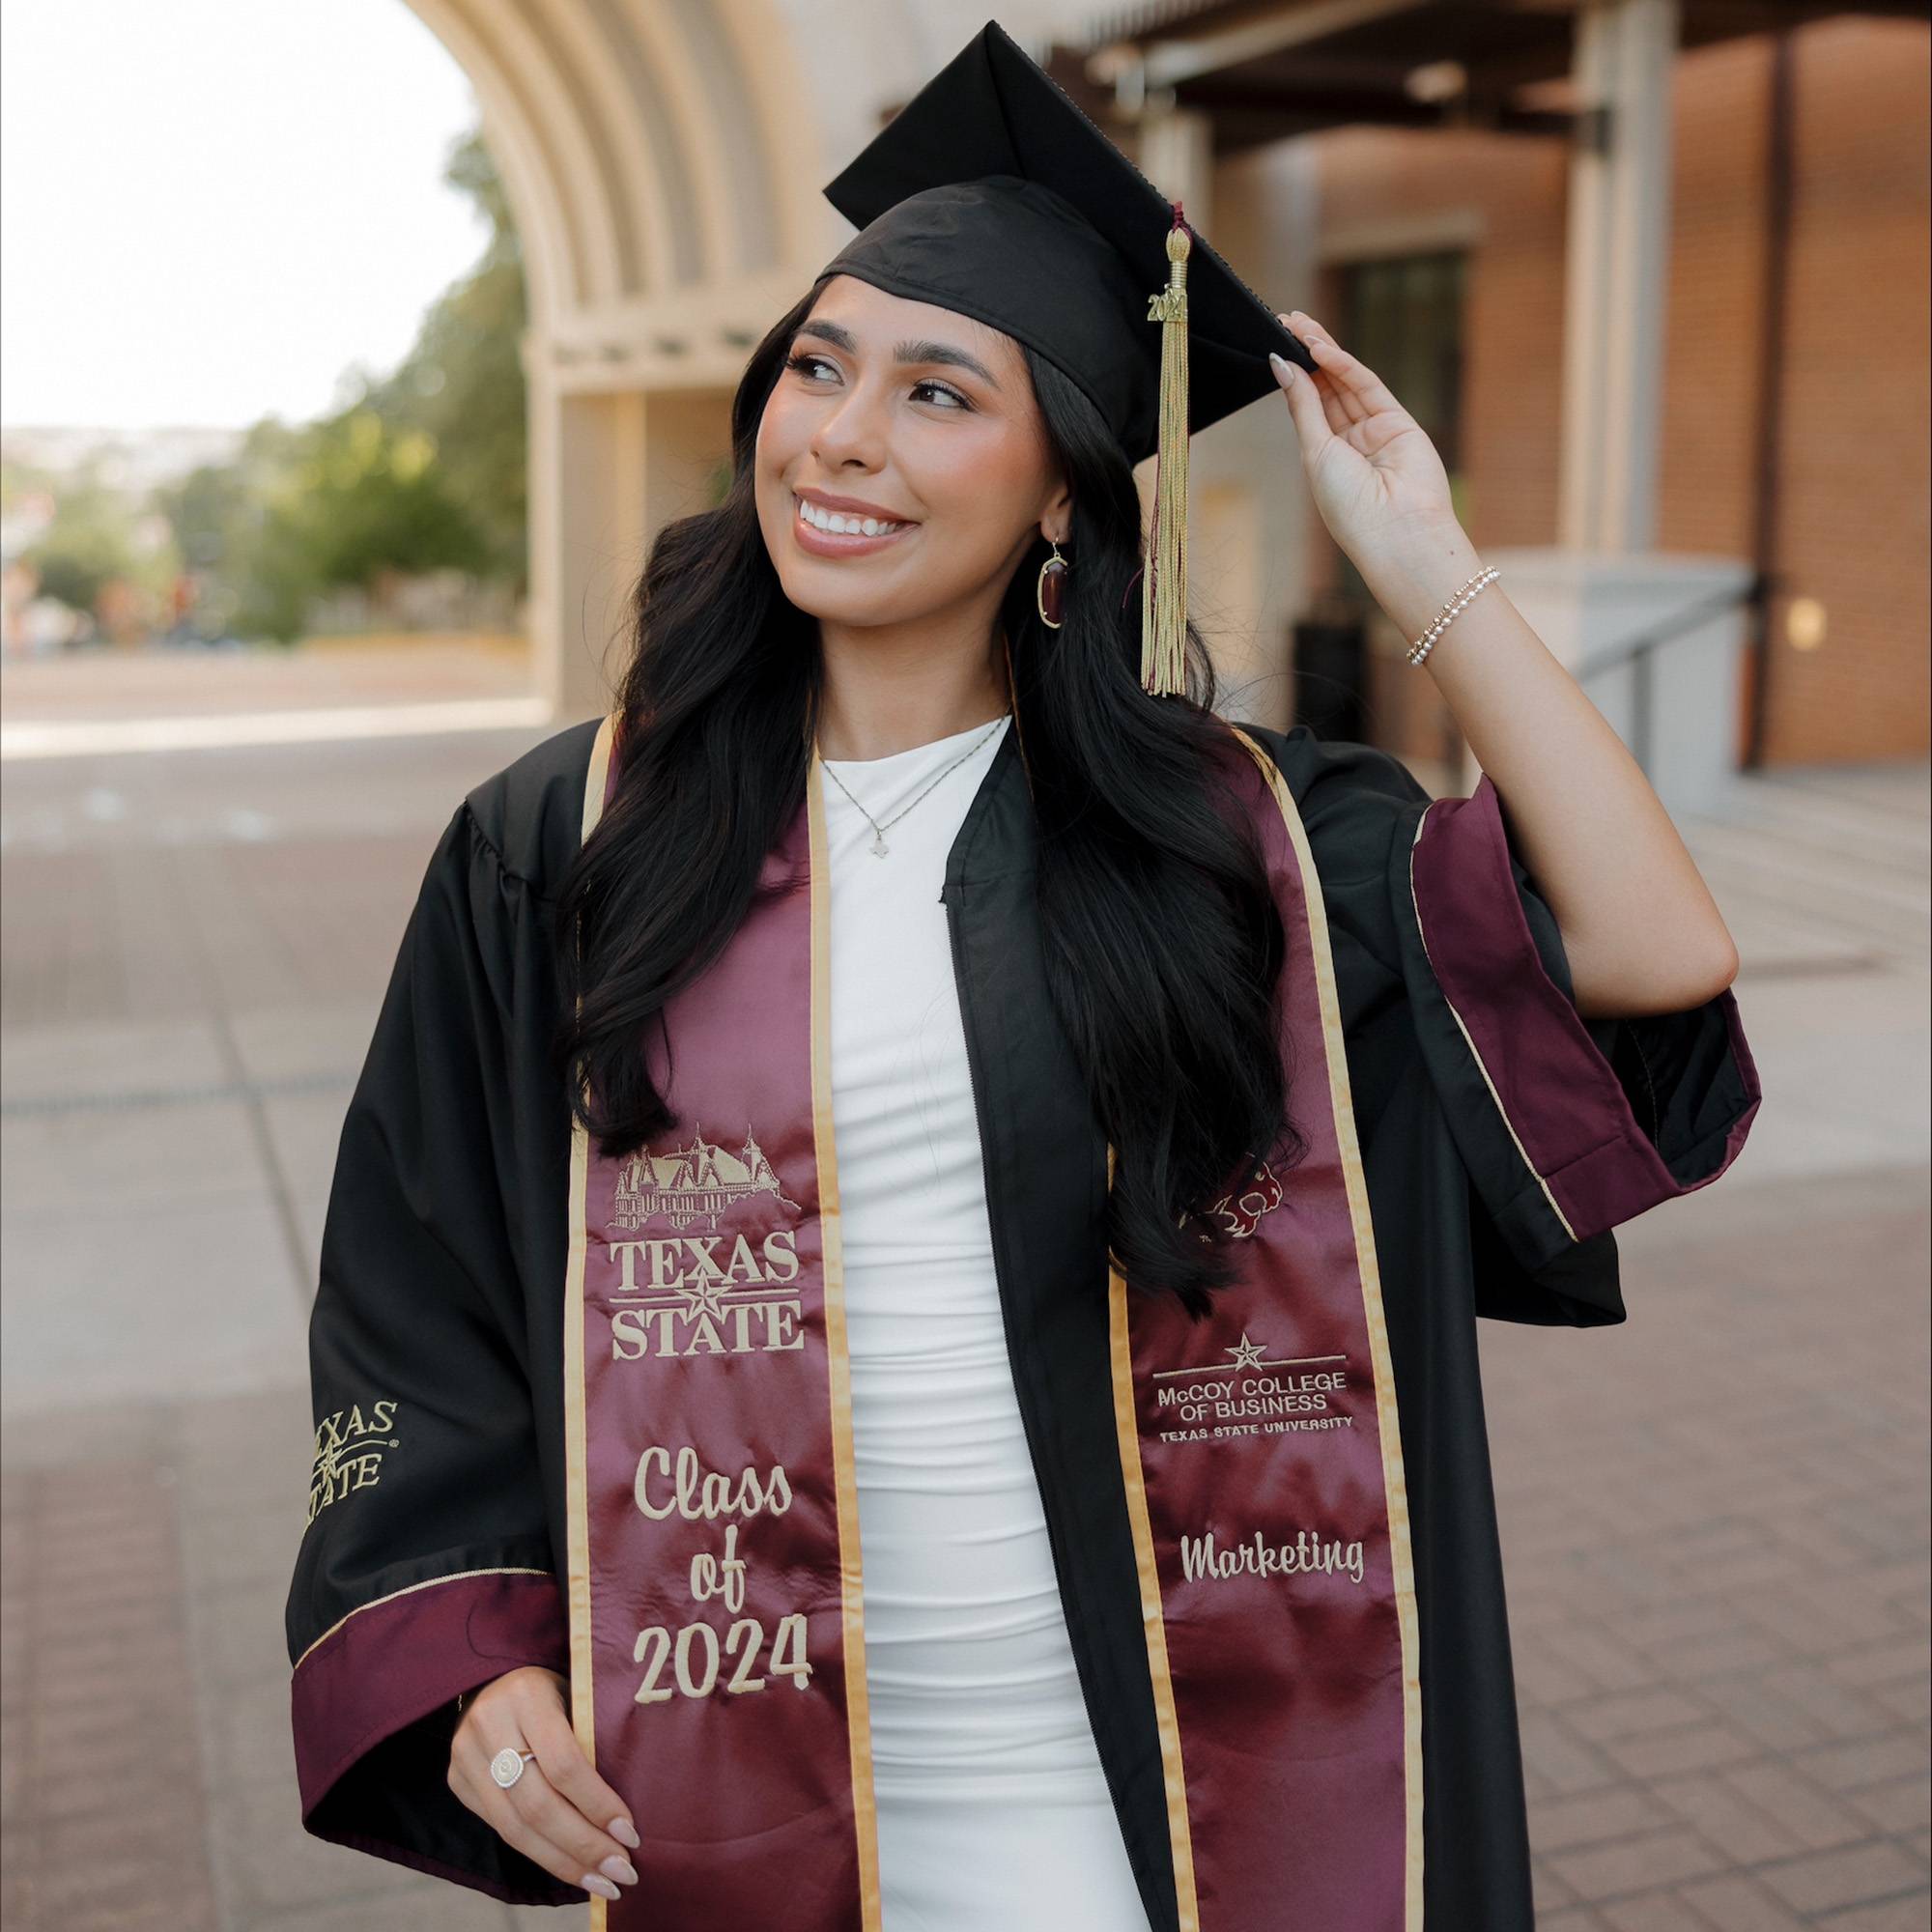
{"x":878,"y":846}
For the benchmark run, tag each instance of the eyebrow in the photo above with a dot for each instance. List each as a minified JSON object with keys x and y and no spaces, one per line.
{"x":914,"y":351}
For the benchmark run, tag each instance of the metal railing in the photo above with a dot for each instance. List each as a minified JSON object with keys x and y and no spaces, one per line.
{"x":1639,"y":652}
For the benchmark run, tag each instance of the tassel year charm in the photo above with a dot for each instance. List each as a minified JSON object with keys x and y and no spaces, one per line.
{"x":1164,"y":581}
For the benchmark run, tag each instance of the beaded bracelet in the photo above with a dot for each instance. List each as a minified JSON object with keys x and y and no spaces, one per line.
{"x":1426,"y":643}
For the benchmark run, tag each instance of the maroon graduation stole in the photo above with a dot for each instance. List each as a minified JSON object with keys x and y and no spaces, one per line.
{"x":717,"y":1629}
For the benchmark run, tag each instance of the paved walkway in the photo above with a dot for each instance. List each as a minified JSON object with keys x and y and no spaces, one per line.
{"x":1714,"y":1517}
{"x":1714,"y":1527}
{"x":103,"y":684}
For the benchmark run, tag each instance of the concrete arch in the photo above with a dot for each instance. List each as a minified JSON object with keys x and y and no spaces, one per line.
{"x":622,"y":161}
{"x":520,"y":61}
{"x":648,"y":147}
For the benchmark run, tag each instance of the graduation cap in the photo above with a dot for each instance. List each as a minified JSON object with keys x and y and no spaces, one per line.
{"x":993,"y":195}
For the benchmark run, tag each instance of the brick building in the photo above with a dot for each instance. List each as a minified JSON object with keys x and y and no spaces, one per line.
{"x":1415,"y":171}
{"x":1838,"y":481}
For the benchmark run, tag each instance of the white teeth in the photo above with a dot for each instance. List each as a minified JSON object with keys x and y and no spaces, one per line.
{"x":832,"y":520}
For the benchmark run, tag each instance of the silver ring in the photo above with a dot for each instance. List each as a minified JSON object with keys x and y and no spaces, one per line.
{"x":507,"y":1765}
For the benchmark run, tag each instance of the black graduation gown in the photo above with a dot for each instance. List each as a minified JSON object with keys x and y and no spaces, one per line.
{"x":1502,"y":1138}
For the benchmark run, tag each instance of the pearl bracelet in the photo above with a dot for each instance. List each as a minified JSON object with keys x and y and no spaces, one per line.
{"x":1426,"y":643}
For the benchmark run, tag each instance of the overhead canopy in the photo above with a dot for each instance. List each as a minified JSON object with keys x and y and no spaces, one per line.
{"x":1293,"y":66}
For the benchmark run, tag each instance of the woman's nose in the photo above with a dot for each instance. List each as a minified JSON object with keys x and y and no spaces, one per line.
{"x":851,"y":430}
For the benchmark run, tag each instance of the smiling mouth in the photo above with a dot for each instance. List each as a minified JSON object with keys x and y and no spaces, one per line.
{"x":842,"y":532}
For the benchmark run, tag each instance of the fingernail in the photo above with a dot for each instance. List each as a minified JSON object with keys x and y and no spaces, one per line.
{"x":596,"y":1881}
{"x":1283,"y":367}
{"x":625,"y":1833}
{"x":618,"y":1868}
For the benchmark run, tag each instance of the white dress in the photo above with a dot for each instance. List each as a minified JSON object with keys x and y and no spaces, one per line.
{"x":993,"y":1812}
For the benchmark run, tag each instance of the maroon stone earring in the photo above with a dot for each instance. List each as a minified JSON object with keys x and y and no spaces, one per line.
{"x":1049,"y":593}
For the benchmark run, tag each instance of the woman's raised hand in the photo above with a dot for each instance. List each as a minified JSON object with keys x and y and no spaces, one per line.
{"x":559,"y":1813}
{"x":1372,"y":469}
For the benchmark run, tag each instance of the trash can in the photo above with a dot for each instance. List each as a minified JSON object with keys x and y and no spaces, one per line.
{"x":1331,"y":668}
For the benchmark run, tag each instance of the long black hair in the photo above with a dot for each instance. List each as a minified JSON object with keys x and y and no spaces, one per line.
{"x":1162,"y":946}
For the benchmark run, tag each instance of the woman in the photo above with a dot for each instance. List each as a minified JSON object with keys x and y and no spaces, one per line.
{"x":750,"y":1492}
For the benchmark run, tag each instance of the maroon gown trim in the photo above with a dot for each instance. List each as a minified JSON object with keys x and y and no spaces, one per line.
{"x":1558,"y":1093}
{"x":393,"y":1661}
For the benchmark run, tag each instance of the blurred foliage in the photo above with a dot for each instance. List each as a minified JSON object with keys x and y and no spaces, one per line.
{"x":461,"y":383}
{"x":90,"y":542}
{"x":422,"y":471}
{"x":226,"y":529}
{"x":21,"y":480}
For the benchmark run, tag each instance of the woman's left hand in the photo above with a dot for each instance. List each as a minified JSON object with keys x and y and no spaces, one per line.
{"x":1374,"y":473}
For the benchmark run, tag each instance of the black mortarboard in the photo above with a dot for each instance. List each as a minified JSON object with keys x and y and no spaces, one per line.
{"x":991,"y":193}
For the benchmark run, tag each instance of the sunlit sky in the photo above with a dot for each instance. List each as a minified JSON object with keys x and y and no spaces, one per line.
{"x":211,"y":209}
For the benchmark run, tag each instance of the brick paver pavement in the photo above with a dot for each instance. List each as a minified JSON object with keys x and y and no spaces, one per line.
{"x":1714,"y":1517}
{"x":106,"y":1825}
{"x":1713,"y":1527}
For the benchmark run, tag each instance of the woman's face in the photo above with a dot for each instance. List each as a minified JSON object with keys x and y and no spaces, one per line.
{"x":921,"y":421}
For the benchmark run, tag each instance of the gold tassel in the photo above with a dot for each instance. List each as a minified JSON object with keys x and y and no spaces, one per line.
{"x":1164,"y":579}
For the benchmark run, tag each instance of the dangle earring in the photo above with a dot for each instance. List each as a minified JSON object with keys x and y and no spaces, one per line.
{"x":1049,"y":592}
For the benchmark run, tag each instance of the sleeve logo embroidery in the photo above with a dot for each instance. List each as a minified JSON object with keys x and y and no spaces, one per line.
{"x":707,"y":1292}
{"x":349,"y":1448}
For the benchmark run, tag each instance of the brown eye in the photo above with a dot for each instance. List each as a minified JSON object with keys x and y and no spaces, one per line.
{"x":940,"y":389}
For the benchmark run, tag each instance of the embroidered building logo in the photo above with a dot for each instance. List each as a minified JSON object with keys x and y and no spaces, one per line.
{"x":707,"y":1294}
{"x":700,"y":1182}
{"x":349,"y":1448}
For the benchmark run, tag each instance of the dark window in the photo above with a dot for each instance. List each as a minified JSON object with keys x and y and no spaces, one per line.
{"x":1403,"y":316}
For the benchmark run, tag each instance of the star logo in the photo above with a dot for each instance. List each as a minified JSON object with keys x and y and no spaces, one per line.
{"x":701,"y":1297}
{"x":1247,"y":1355}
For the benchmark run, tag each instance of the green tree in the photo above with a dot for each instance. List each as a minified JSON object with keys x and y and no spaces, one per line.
{"x":370,"y":497}
{"x":258,"y":578}
{"x":90,"y":540}
{"x":354,"y":501}
{"x":462,"y":382}
{"x":419,"y":471}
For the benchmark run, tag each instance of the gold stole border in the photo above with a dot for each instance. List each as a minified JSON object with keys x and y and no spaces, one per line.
{"x":857,"y":1718}
{"x":858,"y":1707}
{"x":1153,"y":1625}
{"x":1387,"y":1426}
{"x":583,"y":1705}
